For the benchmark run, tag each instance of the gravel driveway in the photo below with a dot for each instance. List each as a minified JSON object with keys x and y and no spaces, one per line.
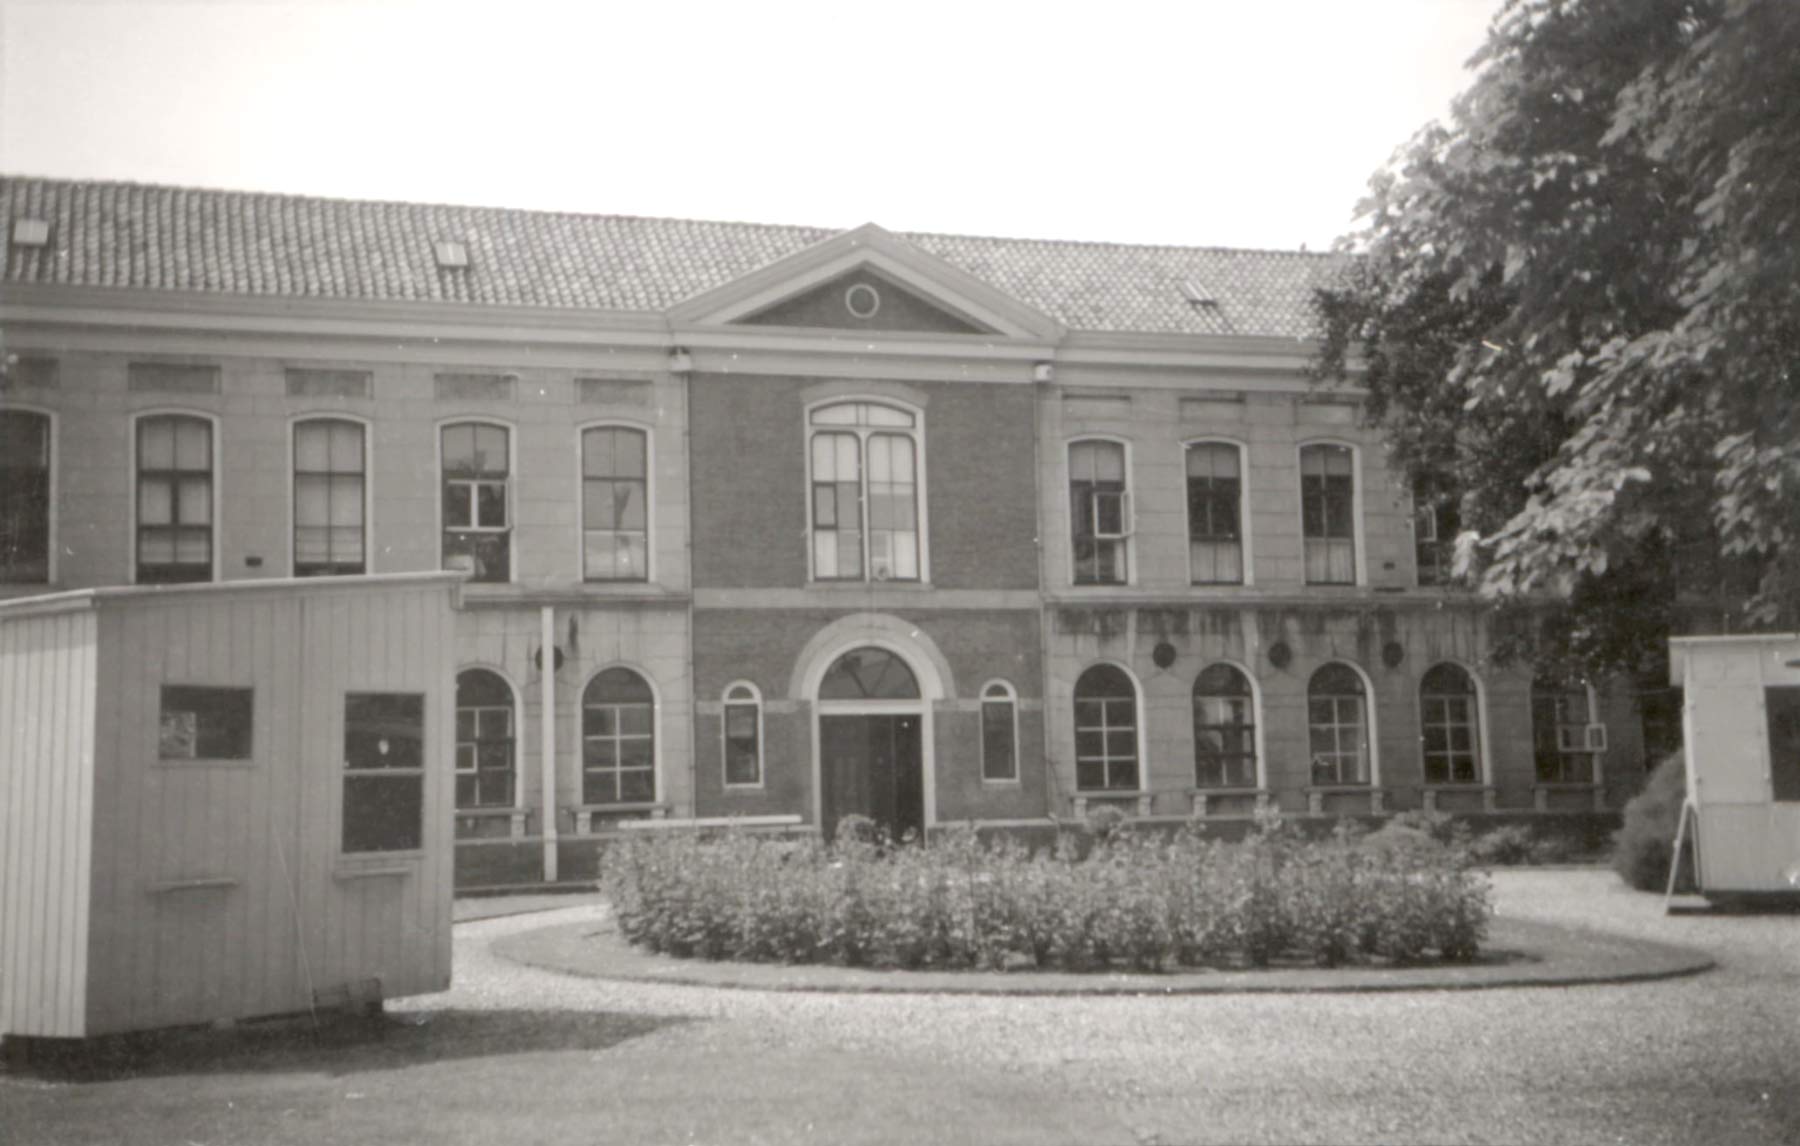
{"x":1712,"y":1059}
{"x":522,"y":1055}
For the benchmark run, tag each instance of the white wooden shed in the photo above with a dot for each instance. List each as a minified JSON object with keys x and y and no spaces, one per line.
{"x":223,"y":801}
{"x":1741,"y":731}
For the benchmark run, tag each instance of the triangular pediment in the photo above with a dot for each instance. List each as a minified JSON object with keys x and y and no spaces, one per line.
{"x":870,"y":281}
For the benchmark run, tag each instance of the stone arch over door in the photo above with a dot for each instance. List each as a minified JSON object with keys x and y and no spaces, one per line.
{"x":900,"y":724}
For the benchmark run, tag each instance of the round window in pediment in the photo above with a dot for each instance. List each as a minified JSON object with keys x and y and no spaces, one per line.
{"x":862,"y":300}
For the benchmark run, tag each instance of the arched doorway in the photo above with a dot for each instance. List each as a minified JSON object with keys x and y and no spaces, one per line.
{"x":871,"y":742}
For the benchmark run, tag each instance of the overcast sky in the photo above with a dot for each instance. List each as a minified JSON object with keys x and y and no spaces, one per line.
{"x":1222,"y":122}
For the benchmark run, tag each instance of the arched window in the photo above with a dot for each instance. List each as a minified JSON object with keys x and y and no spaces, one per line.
{"x":329,"y":495}
{"x":24,"y":497}
{"x":618,"y":739}
{"x":615,"y":504}
{"x":1338,"y":721}
{"x":477,"y":515}
{"x":1447,"y":721}
{"x":174,"y":498}
{"x":743,"y":736}
{"x":1566,"y":738}
{"x":1099,"y":511}
{"x":1106,"y":741}
{"x":485,"y":757}
{"x":869,"y":673}
{"x":1215,"y":495}
{"x":1224,"y":729}
{"x":1328,"y":513}
{"x":999,"y":732}
{"x":863,"y":458}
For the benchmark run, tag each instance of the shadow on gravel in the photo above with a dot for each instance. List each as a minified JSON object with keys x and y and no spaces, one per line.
{"x":335,"y":1046}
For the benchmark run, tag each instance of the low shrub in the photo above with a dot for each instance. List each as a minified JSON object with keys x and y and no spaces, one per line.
{"x":1135,"y":900}
{"x":1644,"y":844}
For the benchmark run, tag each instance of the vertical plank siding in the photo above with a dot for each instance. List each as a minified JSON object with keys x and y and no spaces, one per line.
{"x":139,"y":892}
{"x":47,"y":668}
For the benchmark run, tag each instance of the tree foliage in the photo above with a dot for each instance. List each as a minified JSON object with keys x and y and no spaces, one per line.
{"x":1577,"y":312}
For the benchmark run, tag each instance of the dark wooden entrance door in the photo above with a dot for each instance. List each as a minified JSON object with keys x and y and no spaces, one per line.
{"x":869,"y":765}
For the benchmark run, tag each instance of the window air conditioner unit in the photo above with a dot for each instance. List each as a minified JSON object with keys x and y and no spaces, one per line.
{"x":1596,"y":738}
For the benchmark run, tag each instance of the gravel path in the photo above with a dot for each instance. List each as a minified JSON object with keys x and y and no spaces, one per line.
{"x":1712,"y":1059}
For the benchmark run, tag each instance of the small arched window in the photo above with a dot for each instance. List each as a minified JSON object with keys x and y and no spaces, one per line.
{"x":1224,"y":729}
{"x":869,"y":673}
{"x":743,"y":736}
{"x":999,"y":732}
{"x":24,"y":496}
{"x":1106,"y":739}
{"x":1447,"y":712}
{"x":1338,"y":724}
{"x":485,"y":759}
{"x":618,"y":739}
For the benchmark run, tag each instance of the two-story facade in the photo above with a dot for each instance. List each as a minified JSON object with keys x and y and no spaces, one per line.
{"x":776,"y":523}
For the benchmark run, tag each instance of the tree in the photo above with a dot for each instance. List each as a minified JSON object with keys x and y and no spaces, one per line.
{"x":1576,"y":311}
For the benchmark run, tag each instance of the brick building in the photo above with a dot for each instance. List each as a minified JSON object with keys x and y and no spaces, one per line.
{"x":925,"y":527}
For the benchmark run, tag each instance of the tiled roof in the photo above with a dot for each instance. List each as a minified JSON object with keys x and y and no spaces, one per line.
{"x":186,"y":239}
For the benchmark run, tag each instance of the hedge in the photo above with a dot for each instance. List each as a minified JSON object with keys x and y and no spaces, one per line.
{"x":1134,"y":902}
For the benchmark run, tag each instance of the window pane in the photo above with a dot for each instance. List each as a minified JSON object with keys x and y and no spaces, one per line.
{"x":637,"y":786}
{"x":193,"y":444}
{"x":384,"y":730}
{"x":156,"y":504}
{"x":312,"y":446}
{"x":156,"y":444}
{"x":383,"y":813}
{"x":998,"y":752}
{"x":458,"y":505}
{"x":346,"y":448}
{"x":195,"y":507}
{"x":490,"y":504}
{"x":205,"y":723}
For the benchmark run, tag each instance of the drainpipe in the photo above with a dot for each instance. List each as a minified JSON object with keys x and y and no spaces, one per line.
{"x":547,"y":732}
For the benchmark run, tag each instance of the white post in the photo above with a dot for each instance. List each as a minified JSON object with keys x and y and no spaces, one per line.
{"x":547,"y":732}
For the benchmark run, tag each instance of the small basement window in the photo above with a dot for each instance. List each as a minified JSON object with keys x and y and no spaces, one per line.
{"x":202,"y":723}
{"x":384,"y":771}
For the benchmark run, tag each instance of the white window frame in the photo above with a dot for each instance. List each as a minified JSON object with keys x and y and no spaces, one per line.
{"x":920,"y":491}
{"x":1483,"y":775}
{"x":1360,"y":557}
{"x":1128,"y":513}
{"x":218,"y":502}
{"x":1011,"y":698}
{"x":649,"y":432}
{"x":1370,"y":708}
{"x":368,"y":476}
{"x":512,"y":489}
{"x":1244,"y":527}
{"x":1256,"y":717}
{"x":656,"y":732}
{"x":1143,"y":754}
{"x":518,"y":725}
{"x":725,"y":702}
{"x":55,"y":446}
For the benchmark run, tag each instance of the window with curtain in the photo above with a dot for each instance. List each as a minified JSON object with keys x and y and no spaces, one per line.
{"x":1106,"y":740}
{"x":743,"y":737}
{"x":1215,"y":495}
{"x":1224,"y":729}
{"x":618,"y":739}
{"x":1099,"y":512}
{"x":863,"y":458}
{"x":615,"y":504}
{"x":330,"y":470}
{"x":174,"y":499}
{"x":1327,"y":512}
{"x":477,"y":519}
{"x":1338,"y":726}
{"x":1447,"y":728}
{"x":24,"y":497}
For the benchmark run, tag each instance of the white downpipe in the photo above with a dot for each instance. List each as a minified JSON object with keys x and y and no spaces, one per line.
{"x":547,"y":733}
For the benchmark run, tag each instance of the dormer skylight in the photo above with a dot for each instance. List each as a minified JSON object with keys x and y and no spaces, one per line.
{"x":452,"y":254}
{"x":30,"y":232}
{"x":1195,"y":292}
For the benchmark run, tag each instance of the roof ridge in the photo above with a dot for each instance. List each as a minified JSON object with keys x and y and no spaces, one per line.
{"x":1121,"y":245}
{"x":303,"y":197}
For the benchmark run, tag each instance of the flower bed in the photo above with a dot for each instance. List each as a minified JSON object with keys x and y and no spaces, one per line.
{"x":1134,"y":901}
